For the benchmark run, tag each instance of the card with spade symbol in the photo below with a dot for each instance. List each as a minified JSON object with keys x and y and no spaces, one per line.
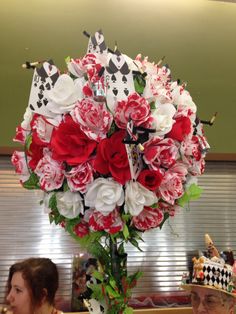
{"x":118,"y":80}
{"x":44,"y":79}
{"x":97,"y":43}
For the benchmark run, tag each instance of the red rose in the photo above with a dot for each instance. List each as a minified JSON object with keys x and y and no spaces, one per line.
{"x":36,"y":153}
{"x":70,"y":144}
{"x":150,"y":179}
{"x":180,"y":129}
{"x":112,"y":158}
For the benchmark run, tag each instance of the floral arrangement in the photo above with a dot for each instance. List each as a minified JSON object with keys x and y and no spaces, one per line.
{"x":116,"y":146}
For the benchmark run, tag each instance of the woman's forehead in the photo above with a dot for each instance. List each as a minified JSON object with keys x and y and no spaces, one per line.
{"x":205,"y":292}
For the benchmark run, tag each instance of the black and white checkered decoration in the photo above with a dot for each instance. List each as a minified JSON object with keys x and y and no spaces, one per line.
{"x":216,"y":275}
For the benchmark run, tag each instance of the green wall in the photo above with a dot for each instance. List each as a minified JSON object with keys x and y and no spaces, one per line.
{"x":198,"y":38}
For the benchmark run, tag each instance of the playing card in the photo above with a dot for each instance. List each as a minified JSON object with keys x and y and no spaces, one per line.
{"x":97,"y":43}
{"x":44,"y":79}
{"x":118,"y":80}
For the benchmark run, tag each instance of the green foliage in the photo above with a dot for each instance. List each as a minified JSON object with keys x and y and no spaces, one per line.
{"x":192,"y":193}
{"x":32,"y":183}
{"x":112,"y":129}
{"x":166,"y":216}
{"x":28,"y":142}
{"x":128,"y":310}
{"x":139,"y":83}
{"x":125,"y":232}
{"x":153,"y":105}
{"x":97,"y":291}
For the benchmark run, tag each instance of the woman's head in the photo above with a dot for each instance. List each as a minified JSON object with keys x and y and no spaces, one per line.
{"x":211,"y":301}
{"x":35,"y":280}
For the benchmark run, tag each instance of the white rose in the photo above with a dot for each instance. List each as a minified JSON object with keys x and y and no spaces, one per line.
{"x":136,"y":197}
{"x":64,"y":94}
{"x":69,"y":204}
{"x":104,"y":195}
{"x":182,"y":99}
{"x":163,"y":119}
{"x":46,"y":200}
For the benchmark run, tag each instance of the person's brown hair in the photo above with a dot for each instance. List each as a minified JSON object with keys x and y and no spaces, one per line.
{"x":41,"y":276}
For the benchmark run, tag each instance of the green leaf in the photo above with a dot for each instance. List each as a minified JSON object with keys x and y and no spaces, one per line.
{"x":166,"y":216}
{"x":111,"y":292}
{"x":112,"y":283}
{"x":192,"y":193}
{"x":128,"y":310}
{"x":135,"y":276}
{"x":135,"y":243}
{"x":112,"y":129}
{"x":97,"y":291}
{"x":53,"y":202}
{"x":28,"y":142}
{"x":139,"y":83}
{"x":67,"y":59}
{"x":96,"y":274}
{"x":32,"y":182}
{"x":152,"y":105}
{"x":126,"y":232}
{"x":126,"y":217}
{"x":65,"y":186}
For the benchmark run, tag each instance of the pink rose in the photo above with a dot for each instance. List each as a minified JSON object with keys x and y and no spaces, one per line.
{"x":94,"y":119}
{"x":19,"y":162}
{"x":81,"y":229}
{"x":111,"y":223}
{"x":171,"y":187}
{"x":21,"y":135}
{"x":79,"y":66}
{"x":193,"y":154}
{"x":148,"y":218}
{"x":170,"y":209}
{"x":160,"y":153}
{"x":196,"y":167}
{"x":79,"y":177}
{"x":136,"y":108}
{"x":41,"y":130}
{"x":50,"y":172}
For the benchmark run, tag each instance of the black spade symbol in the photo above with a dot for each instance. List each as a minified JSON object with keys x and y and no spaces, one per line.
{"x":113,"y":78}
{"x":126,"y":91}
{"x":115,"y":91}
{"x":45,"y":101}
{"x":124,"y":79}
{"x":39,"y":104}
{"x":47,"y":86}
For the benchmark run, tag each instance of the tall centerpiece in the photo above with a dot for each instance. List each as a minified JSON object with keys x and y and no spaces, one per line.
{"x":116,"y":146}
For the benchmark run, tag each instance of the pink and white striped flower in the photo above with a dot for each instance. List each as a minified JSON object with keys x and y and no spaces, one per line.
{"x":79,"y":177}
{"x":172,"y":187}
{"x":93,"y":117}
{"x":50,"y":172}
